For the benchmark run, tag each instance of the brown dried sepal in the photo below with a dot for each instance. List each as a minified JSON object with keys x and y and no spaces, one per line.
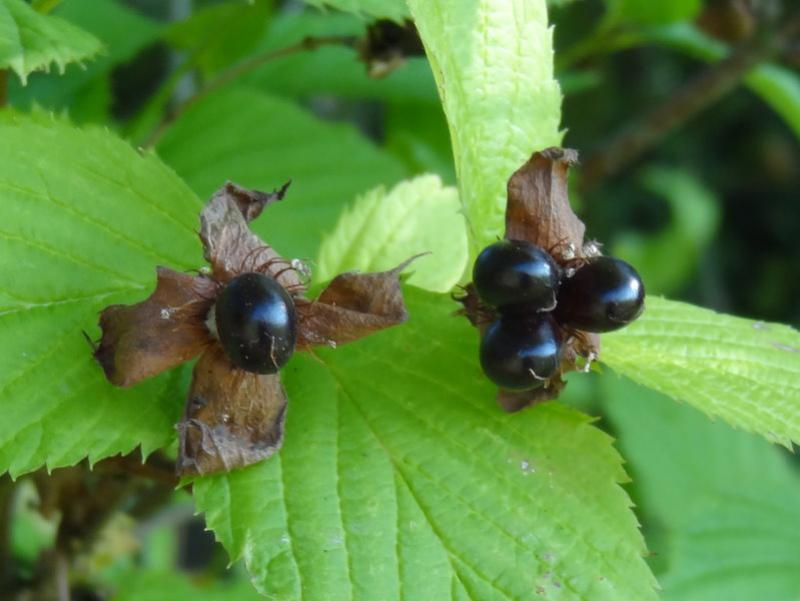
{"x":232,"y":419}
{"x":538,"y":208}
{"x":352,"y":306}
{"x":229,"y":245}
{"x":163,"y":331}
{"x":538,"y":211}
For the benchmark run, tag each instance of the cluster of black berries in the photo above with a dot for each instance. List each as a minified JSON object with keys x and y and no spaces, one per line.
{"x":538,"y":303}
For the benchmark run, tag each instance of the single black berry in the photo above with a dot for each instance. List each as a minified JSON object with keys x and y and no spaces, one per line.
{"x":256,"y":323}
{"x":603,"y":295}
{"x":514,"y":273}
{"x":520,"y":353}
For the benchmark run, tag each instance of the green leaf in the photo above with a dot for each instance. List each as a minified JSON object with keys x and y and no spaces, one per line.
{"x":650,"y":13}
{"x":382,"y":229}
{"x":667,"y":259}
{"x":44,"y":6}
{"x":86,"y":92}
{"x":401,"y":478}
{"x":84,"y":220}
{"x":333,"y":69}
{"x":221,"y":34}
{"x":746,"y":372}
{"x":777,"y":86}
{"x":719,"y":505}
{"x":493,"y":63}
{"x":162,"y":585}
{"x":260,"y":142}
{"x":30,"y":41}
{"x":395,"y":10}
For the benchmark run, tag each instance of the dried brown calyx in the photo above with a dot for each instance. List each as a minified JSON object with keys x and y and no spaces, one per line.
{"x":234,"y":418}
{"x":538,"y":211}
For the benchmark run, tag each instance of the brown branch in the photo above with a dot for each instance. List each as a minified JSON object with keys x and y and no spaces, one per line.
{"x":236,"y":71}
{"x":6,"y":514}
{"x":687,"y":101}
{"x":3,"y":87}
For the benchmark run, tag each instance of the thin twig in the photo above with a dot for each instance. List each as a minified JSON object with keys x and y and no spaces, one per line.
{"x":3,"y":87}
{"x":236,"y":71}
{"x":687,"y":101}
{"x":6,"y":514}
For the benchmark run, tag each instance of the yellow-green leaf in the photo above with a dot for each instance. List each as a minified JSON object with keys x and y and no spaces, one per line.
{"x":493,"y":64}
{"x":30,"y":41}
{"x":382,"y":229}
{"x":746,"y":372}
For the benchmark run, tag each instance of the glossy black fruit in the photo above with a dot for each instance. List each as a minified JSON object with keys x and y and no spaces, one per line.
{"x":520,"y":353}
{"x":256,"y":323}
{"x":514,"y":273}
{"x":603,"y":295}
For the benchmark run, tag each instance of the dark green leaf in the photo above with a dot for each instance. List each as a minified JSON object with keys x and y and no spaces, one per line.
{"x":261,"y":142}
{"x":720,"y":505}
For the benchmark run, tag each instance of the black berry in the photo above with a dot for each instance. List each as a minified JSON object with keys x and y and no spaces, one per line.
{"x":516,"y":274}
{"x":256,"y":323}
{"x":520,"y":353}
{"x":603,"y":295}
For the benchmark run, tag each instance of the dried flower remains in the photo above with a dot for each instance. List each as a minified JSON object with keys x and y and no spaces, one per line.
{"x":235,"y":417}
{"x":541,"y":296}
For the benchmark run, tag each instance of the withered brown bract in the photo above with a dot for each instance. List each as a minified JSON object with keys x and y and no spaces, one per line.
{"x":235,"y":418}
{"x":232,"y":418}
{"x":538,"y":211}
{"x":175,"y":331}
{"x":353,"y":306}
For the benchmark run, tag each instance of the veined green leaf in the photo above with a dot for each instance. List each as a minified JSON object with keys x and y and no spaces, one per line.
{"x":84,"y":220}
{"x":30,"y":41}
{"x":86,"y":92}
{"x":328,"y":163}
{"x":373,"y":9}
{"x":719,"y":506}
{"x":746,"y":372}
{"x":400,"y":478}
{"x":493,"y":63}
{"x":382,"y":229}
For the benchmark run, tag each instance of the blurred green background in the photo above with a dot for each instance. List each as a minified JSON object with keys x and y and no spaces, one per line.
{"x":708,"y":212}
